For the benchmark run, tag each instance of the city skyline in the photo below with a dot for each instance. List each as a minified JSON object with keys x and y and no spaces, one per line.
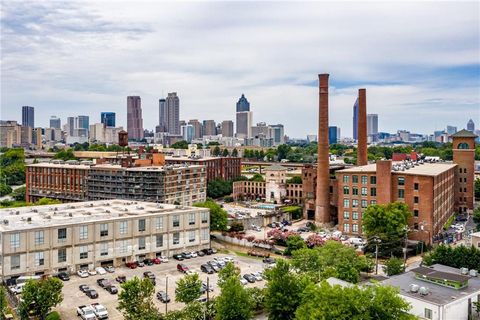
{"x":431,"y":80}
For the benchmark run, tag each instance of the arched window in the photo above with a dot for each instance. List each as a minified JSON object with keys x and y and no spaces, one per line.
{"x":463,"y":145}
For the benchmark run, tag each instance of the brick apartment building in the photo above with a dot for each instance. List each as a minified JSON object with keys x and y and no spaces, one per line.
{"x":226,"y":168}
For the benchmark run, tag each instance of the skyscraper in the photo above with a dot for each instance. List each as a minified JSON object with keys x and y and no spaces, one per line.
{"x":471,"y":125}
{"x":197,"y":128}
{"x":243,"y":104}
{"x":83,"y":122}
{"x":162,"y":115}
{"x":277,"y":133}
{"x":209,"y":128}
{"x":71,"y":125}
{"x":134,"y":118}
{"x":28,"y":117}
{"x":451,"y":130}
{"x":372,"y":124}
{"x":355,"y":120}
{"x":244,"y":124}
{"x":55,"y":122}
{"x":227,"y":128}
{"x":172,"y":106}
{"x":332,"y":135}
{"x":108,"y":119}
{"x":188,"y":131}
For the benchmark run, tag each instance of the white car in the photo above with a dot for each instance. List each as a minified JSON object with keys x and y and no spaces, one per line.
{"x":92,"y":272}
{"x":163,"y":259}
{"x":100,"y":311}
{"x":357,"y":241}
{"x":193,"y":254}
{"x":228,"y":259}
{"x":17,"y":289}
{"x":243,"y":281}
{"x":100,"y":270}
{"x":258,"y":276}
{"x":82,"y":273}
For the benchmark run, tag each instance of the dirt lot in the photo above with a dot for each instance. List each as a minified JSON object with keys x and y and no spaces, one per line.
{"x":73,"y":297}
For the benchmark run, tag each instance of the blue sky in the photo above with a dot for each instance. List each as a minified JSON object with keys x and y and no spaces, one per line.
{"x":420,"y":61}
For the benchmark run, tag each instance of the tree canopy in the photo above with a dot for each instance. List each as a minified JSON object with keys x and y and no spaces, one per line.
{"x":188,"y":288}
{"x":456,"y":257}
{"x":180,"y":145}
{"x":218,"y":188}
{"x":12,"y":167}
{"x":135,"y":300}
{"x":218,"y":216}
{"x":40,"y":296}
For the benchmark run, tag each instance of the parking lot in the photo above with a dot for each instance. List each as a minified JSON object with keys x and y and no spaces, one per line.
{"x":73,"y":297}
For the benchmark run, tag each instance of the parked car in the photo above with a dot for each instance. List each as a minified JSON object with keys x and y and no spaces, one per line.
{"x":132,"y":264}
{"x":121,"y":279}
{"x":213,"y":250}
{"x":92,"y":272}
{"x":214,"y":266}
{"x":250,"y":278}
{"x":84,"y":288}
{"x":303,"y":229}
{"x":163,"y":297}
{"x":228,"y":259}
{"x":258,"y":276}
{"x":151,"y":276}
{"x":141,"y":264}
{"x":207,"y":268}
{"x":200,"y":253}
{"x":193,"y":254}
{"x":243,"y":281}
{"x":157,"y":261}
{"x":82,"y":273}
{"x":186,"y":255}
{"x":178,"y":257}
{"x":182,"y":268}
{"x":92,"y":294}
{"x":100,"y":311}
{"x":148,"y":262}
{"x":63,"y":276}
{"x":357,"y":241}
{"x":110,"y":269}
{"x":101,"y":282}
{"x":112,"y":289}
{"x":163,"y":259}
{"x":207,"y":251}
{"x":86,"y":312}
{"x":100,"y":270}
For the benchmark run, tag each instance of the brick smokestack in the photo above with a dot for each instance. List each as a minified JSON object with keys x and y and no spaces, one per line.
{"x":362,"y":155}
{"x":322,"y":210}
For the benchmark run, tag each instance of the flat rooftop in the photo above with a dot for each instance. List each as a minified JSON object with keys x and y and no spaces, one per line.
{"x":425,"y":169}
{"x":147,"y":168}
{"x":24,"y":218}
{"x":61,"y":164}
{"x":438,"y":295}
{"x":186,"y":158}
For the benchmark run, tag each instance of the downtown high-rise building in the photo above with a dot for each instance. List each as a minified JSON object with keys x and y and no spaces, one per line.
{"x":243,"y":104}
{"x":244,"y":124}
{"x":28,"y":116}
{"x":108,"y":119}
{"x":162,"y":116}
{"x":372,"y":124}
{"x":134,"y":118}
{"x":70,"y":125}
{"x":355,"y":120}
{"x":55,"y":122}
{"x":197,"y":128}
{"x":209,"y":128}
{"x":471,"y":125}
{"x":333,"y":135}
{"x":170,"y":114}
{"x":451,"y":130}
{"x":188,"y":132}
{"x":83,"y":122}
{"x":227,"y":128}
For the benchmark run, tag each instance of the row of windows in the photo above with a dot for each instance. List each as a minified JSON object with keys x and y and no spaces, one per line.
{"x":401,"y":195}
{"x":39,"y":235}
{"x":364,"y":191}
{"x":364,"y":179}
{"x":355,"y":202}
{"x":346,"y":228}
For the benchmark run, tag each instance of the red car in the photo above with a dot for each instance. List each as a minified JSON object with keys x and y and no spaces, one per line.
{"x":182,"y":268}
{"x":132,"y":264}
{"x":156,"y":261}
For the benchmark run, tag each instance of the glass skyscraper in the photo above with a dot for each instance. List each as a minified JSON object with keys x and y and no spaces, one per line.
{"x":108,"y":119}
{"x":355,"y":120}
{"x":28,"y":117}
{"x":243,"y":104}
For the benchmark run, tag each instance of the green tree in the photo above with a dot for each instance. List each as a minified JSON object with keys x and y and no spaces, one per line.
{"x":282,"y":293}
{"x":39,"y":297}
{"x":294,"y":242}
{"x":135,"y":300}
{"x":47,"y":201}
{"x":65,"y":155}
{"x":282,"y":151}
{"x":258,"y":297}
{"x":235,"y":152}
{"x":236,"y":226}
{"x":3,"y":300}
{"x":388,"y":223}
{"x":295,"y":180}
{"x":218,"y":188}
{"x":5,"y":189}
{"x":393,"y":266}
{"x":19,"y":194}
{"x":188,"y":288}
{"x":216,"y":151}
{"x":257,"y":177}
{"x":218,"y":216}
{"x":225,"y":153}
{"x":12,"y":167}
{"x":456,"y":257}
{"x":180,"y":145}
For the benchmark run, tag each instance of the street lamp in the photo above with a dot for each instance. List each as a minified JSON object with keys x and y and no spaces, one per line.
{"x":423,"y":224}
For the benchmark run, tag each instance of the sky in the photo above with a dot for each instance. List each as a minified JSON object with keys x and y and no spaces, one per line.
{"x":419,"y":61}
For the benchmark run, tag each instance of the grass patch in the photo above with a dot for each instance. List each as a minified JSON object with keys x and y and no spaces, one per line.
{"x":243,"y":254}
{"x":449,"y":222}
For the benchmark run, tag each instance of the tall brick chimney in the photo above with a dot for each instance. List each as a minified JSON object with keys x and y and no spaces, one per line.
{"x":362,"y":155}
{"x":322,"y":210}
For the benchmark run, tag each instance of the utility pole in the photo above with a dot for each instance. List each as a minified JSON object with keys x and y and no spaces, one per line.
{"x":208,"y":298}
{"x":166,"y":295}
{"x":405,"y":250}
{"x":377,"y":241}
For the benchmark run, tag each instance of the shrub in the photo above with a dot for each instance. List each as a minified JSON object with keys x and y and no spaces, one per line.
{"x":53,"y":316}
{"x":393,"y":266}
{"x":5,"y":189}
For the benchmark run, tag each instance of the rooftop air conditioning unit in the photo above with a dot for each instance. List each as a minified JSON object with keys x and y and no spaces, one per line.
{"x":464,"y":271}
{"x":423,"y":291}
{"x":414,"y":287}
{"x":473,"y":273}
{"x":5,"y":221}
{"x":29,"y":219}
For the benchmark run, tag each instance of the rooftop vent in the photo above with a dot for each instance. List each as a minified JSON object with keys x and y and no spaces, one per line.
{"x":423,"y":291}
{"x":17,"y":213}
{"x":29,"y":219}
{"x":140,"y":208}
{"x":5,"y":222}
{"x":107,"y":211}
{"x":473,"y":273}
{"x":464,"y":271}
{"x":414,"y":288}
{"x":70,"y":214}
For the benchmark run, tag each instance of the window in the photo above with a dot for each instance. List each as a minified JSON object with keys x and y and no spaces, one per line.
{"x":346,"y":215}
{"x":123,"y":227}
{"x":62,"y":255}
{"x":15,"y":262}
{"x":354,"y":179}
{"x":39,"y":237}
{"x":401,"y":193}
{"x":205,"y":234}
{"x":415,"y":199}
{"x":364,"y":191}
{"x":354,"y":203}
{"x":176,"y":221}
{"x":428,"y":313}
{"x":373,"y":192}
{"x":83,"y":252}
{"x":141,"y":225}
{"x":176,"y":237}
{"x":104,"y":249}
{"x":373,"y":201}
{"x":355,"y":191}
{"x":364,"y":203}
{"x":15,"y":240}
{"x":346,"y":203}
{"x":159,"y":223}
{"x":204,"y":217}
{"x":103,"y":229}
{"x":355,"y":215}
{"x":62,"y":234}
{"x":346,"y":227}
{"x":364,"y":179}
{"x":83,"y":232}
{"x":191,"y":219}
{"x":415,"y":213}
{"x":159,"y":240}
{"x":346,"y":179}
{"x":355,"y":228}
{"x":401,"y":181}
{"x":415,"y":226}
{"x":141,"y":243}
{"x":123,"y":246}
{"x":373,"y":180}
{"x":39,"y":260}
{"x":346,"y":190}
{"x":415,"y":186}
{"x":191,"y":236}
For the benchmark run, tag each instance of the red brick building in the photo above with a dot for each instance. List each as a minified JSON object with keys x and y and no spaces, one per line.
{"x":464,"y":156}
